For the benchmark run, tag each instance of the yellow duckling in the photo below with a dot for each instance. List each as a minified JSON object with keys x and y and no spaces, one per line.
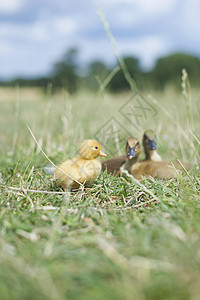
{"x":155,"y":169}
{"x":81,"y":169}
{"x":150,"y":147}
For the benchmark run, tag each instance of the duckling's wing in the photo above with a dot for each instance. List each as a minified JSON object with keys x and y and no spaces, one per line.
{"x":159,"y":169}
{"x":69,"y":167}
{"x":113,"y":164}
{"x":89,"y":169}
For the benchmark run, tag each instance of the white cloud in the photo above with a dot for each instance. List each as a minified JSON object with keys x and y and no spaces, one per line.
{"x":65,"y":25}
{"x":147,"y":7}
{"x":113,"y":2}
{"x":98,"y":49}
{"x":5,"y":29}
{"x":40,"y":30}
{"x":146,"y":48}
{"x":125,"y":14}
{"x":191,"y":20}
{"x":10,"y":6}
{"x":35,"y":31}
{"x":5,"y":49}
{"x":154,"y":6}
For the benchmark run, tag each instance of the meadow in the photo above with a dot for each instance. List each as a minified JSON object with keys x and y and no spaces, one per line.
{"x":118,"y":238}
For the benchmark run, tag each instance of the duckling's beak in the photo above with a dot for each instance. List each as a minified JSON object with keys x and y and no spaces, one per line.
{"x":131,"y":153}
{"x":102,"y":154}
{"x":152,"y":145}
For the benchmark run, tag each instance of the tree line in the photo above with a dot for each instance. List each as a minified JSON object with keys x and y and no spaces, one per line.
{"x":67,"y":74}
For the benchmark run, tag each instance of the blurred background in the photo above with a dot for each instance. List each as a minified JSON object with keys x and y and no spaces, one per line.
{"x":64,"y":43}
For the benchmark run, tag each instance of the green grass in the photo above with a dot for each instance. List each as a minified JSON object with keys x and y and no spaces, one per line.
{"x":117,"y":239}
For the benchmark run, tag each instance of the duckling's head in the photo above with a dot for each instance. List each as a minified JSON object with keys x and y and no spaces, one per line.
{"x":132,"y":148}
{"x":90,"y":149}
{"x":148,"y":140}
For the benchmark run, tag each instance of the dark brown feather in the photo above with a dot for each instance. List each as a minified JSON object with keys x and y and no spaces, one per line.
{"x":113,"y":165}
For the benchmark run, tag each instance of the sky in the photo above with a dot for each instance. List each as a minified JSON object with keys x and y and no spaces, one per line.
{"x":35,"y":34}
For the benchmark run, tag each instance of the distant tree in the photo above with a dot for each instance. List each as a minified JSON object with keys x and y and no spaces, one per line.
{"x":119,"y":81}
{"x":65,"y":72}
{"x":168,"y":69}
{"x":27,"y":82}
{"x":97,"y":72}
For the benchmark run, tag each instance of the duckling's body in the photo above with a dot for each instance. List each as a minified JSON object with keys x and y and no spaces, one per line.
{"x":81,"y":169}
{"x":113,"y":165}
{"x":155,"y":169}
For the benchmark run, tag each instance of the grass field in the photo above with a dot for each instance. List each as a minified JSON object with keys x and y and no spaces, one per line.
{"x":117,"y":239}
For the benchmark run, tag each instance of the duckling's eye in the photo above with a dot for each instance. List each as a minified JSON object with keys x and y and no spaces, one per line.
{"x":137,"y":144}
{"x":96,"y":147}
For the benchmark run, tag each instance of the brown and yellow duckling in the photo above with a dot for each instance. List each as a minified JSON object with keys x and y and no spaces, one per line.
{"x":133,"y":151}
{"x":150,"y":150}
{"x":80,"y":169}
{"x":150,"y":147}
{"x":155,"y":169}
{"x":113,"y":165}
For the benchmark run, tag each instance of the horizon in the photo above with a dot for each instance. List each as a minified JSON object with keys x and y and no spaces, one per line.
{"x":83,"y":68}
